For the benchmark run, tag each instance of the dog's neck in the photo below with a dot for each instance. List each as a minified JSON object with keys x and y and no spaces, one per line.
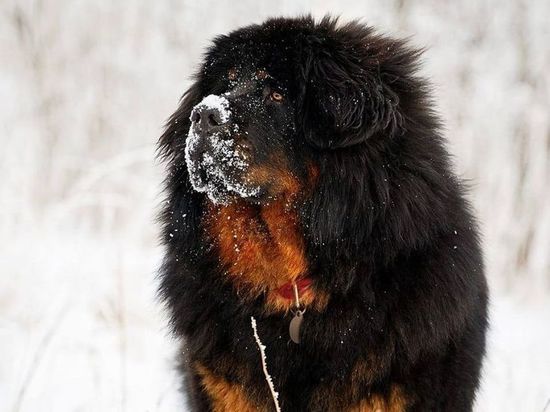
{"x":263,"y":251}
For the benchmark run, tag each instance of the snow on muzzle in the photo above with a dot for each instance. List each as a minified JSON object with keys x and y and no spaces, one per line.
{"x":215,"y":164}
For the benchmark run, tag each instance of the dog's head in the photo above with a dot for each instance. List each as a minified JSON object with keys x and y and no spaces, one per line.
{"x":242,"y":135}
{"x":295,"y":105}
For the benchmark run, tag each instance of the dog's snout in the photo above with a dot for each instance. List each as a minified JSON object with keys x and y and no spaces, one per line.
{"x":208,"y":119}
{"x":199,"y":149}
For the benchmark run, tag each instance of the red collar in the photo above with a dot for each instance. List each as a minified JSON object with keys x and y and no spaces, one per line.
{"x":286,"y":291}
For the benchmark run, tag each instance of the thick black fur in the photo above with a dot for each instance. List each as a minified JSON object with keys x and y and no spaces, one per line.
{"x":389,"y":234}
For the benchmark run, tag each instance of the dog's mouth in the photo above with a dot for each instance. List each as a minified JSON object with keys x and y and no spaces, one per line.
{"x":218,"y":167}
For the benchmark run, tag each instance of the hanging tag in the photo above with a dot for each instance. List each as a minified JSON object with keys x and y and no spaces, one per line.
{"x":295,"y":325}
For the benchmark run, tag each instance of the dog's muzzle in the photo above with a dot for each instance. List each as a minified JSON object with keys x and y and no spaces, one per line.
{"x":215,"y":164}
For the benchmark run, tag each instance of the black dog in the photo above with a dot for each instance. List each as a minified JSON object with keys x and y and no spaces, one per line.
{"x":308,"y":183}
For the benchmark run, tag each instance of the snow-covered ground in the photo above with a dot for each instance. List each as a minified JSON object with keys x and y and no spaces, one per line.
{"x":85,"y":87}
{"x":81,"y":331}
{"x":516,"y":375}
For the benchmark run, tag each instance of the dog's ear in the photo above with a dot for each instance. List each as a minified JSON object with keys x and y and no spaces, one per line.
{"x":173,"y":139}
{"x":355,"y":87}
{"x":343,"y":98}
{"x":181,"y":212}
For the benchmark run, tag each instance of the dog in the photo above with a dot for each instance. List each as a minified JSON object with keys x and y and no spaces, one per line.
{"x":309,"y":193}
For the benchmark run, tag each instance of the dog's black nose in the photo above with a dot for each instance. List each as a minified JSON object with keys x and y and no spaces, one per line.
{"x":208,"y":119}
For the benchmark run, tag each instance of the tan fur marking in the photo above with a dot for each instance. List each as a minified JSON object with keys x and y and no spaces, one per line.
{"x":279,"y":182}
{"x":316,"y":300}
{"x":225,"y":396}
{"x":366,"y":370}
{"x":262,"y":247}
{"x":345,"y":395}
{"x":395,"y":402}
{"x":337,"y":399}
{"x":313,"y":174}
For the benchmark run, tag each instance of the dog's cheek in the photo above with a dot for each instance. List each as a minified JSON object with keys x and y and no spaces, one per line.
{"x":274,"y":176}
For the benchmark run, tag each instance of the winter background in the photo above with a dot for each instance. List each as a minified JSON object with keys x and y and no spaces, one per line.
{"x":85,"y":87}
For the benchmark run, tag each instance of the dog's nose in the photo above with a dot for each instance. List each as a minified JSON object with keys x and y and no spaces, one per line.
{"x":208,"y":119}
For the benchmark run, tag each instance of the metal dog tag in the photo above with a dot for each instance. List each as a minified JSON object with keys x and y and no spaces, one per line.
{"x":294,"y":327}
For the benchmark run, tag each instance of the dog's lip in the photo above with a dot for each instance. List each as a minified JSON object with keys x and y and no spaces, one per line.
{"x":204,"y":178}
{"x":201,"y":173}
{"x":225,"y":132}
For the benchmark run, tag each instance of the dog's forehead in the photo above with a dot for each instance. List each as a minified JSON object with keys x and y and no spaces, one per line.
{"x":250,"y":73}
{"x":262,"y":58}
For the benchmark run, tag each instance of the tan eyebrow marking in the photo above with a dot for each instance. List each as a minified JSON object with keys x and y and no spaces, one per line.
{"x":232,"y":73}
{"x":262,"y":74}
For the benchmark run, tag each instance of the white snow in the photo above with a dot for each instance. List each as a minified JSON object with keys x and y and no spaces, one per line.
{"x":213,"y":101}
{"x":516,"y":372}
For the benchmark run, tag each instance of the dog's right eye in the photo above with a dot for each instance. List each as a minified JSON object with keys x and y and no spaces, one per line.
{"x":276,"y":96}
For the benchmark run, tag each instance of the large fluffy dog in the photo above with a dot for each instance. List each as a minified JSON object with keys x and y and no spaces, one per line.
{"x":308,"y":184}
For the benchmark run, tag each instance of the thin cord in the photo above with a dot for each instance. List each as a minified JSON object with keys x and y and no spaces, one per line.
{"x":274,"y":394}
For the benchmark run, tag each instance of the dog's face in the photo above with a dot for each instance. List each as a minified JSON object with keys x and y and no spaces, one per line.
{"x":268,"y":96}
{"x":240,"y":140}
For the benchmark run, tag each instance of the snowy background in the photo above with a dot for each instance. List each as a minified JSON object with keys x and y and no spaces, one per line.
{"x":85,"y":87}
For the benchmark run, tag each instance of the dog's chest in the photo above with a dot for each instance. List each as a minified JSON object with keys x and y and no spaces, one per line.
{"x":260,"y":248}
{"x":248,"y":391}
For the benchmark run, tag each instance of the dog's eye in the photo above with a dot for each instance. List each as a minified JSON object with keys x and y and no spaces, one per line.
{"x":276,"y":96}
{"x":232,"y":74}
